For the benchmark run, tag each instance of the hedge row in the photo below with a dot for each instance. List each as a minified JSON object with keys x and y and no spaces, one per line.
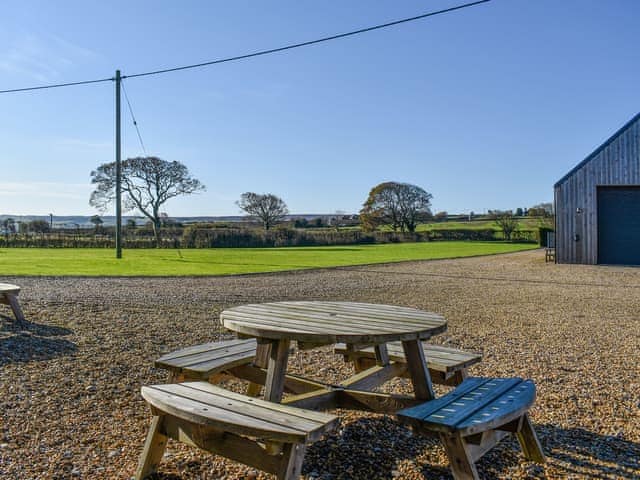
{"x":244,"y":238}
{"x":194,"y":237}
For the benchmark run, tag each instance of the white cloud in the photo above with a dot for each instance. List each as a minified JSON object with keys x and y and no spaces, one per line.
{"x":41,"y":58}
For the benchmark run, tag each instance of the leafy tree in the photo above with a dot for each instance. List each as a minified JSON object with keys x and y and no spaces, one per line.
{"x":97,"y":222}
{"x":267,"y":208}
{"x":519,"y":212}
{"x":9,"y":225}
{"x":541,"y":210}
{"x":399,"y":205}
{"x":131,"y":223}
{"x":301,"y":223}
{"x":506,"y":221}
{"x":39,"y":226}
{"x":441,"y":216}
{"x":147,"y":184}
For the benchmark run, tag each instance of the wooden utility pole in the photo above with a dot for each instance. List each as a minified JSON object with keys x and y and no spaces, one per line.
{"x":118,"y":172}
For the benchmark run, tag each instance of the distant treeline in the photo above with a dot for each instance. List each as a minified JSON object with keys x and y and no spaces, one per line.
{"x":243,"y":237}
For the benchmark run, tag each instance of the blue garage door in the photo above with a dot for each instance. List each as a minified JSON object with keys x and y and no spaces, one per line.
{"x":619,"y":225}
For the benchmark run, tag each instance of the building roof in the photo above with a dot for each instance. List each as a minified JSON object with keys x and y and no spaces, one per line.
{"x":598,"y":150}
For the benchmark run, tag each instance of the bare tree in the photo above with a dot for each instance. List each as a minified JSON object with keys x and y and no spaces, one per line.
{"x":506,"y":221}
{"x":147,"y":183}
{"x":267,"y":208}
{"x":400,"y":205}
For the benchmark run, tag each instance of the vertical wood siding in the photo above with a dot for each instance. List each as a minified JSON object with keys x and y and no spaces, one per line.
{"x":616,"y":162}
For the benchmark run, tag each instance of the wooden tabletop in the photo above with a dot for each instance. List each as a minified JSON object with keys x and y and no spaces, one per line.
{"x":332,"y":322}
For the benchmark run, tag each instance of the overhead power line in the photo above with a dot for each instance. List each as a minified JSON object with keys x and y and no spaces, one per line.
{"x":133,"y":118}
{"x":56,"y":85}
{"x":310,"y":42}
{"x":260,"y":52}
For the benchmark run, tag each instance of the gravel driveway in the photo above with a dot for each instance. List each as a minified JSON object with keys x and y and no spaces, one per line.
{"x":70,"y":380}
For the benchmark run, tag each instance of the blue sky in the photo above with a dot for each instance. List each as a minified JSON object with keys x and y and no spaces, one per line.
{"x":485,"y":108}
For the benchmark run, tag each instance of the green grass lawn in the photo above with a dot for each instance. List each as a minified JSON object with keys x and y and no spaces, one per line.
{"x":524,"y":223}
{"x":221,"y":261}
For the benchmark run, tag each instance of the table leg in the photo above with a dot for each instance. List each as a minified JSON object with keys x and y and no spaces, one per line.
{"x":274,"y":385}
{"x":12,"y":299}
{"x":418,"y":370}
{"x":262,"y":360}
{"x":382,"y":355}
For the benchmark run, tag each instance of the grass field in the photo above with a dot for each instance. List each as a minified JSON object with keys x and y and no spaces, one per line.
{"x":165,"y":262}
{"x":524,"y":223}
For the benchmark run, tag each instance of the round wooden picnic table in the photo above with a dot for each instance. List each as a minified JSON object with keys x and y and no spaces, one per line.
{"x":315,"y":323}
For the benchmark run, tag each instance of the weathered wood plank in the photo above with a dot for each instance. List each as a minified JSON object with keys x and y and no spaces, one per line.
{"x":299,"y":419}
{"x":318,"y":417}
{"x":444,"y":359}
{"x":226,"y":444}
{"x":531,"y":448}
{"x":323,"y":399}
{"x":207,"y":347}
{"x":276,"y":371}
{"x":460,"y":459}
{"x":373,"y":401}
{"x":262,"y":361}
{"x":12,"y":298}
{"x":384,"y":314}
{"x":205,"y":414}
{"x":218,"y":355}
{"x":418,"y":370}
{"x":292,"y":383}
{"x":382,"y":354}
{"x":306,"y":322}
{"x":330,"y":322}
{"x":292,"y":468}
{"x":205,"y":404}
{"x":488,"y":440}
{"x":375,"y":376}
{"x":154,"y":447}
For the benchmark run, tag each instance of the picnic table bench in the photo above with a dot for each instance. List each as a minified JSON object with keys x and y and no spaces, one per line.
{"x":447,"y":366}
{"x":205,"y":361}
{"x":474,"y":417}
{"x":264,"y":435}
{"x":9,"y":296}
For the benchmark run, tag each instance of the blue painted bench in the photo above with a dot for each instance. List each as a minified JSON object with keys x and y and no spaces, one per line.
{"x":474,"y":417}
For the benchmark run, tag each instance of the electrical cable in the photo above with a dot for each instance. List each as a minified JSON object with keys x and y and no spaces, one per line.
{"x":133,"y":118}
{"x":69,"y":84}
{"x":305,"y":44}
{"x":258,"y":53}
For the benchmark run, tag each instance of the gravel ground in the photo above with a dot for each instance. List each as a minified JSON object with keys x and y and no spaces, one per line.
{"x":70,"y":380}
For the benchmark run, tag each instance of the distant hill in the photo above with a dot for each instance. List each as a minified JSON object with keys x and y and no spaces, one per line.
{"x":60,"y":221}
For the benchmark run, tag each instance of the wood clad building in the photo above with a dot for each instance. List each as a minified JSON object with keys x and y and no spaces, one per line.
{"x":597,"y":204}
